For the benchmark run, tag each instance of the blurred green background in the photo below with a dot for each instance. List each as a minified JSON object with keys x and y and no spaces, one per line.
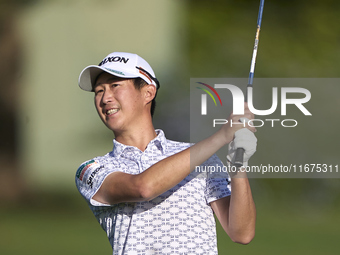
{"x":49,"y":126}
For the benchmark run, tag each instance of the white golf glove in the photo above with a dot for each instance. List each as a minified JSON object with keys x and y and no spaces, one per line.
{"x":244,"y":138}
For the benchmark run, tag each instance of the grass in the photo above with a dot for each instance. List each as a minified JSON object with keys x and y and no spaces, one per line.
{"x":39,"y":233}
{"x":280,"y":231}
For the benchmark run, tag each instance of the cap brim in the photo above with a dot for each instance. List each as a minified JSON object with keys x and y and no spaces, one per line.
{"x":89,"y":75}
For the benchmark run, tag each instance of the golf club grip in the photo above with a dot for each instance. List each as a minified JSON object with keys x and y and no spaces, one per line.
{"x":238,"y":162}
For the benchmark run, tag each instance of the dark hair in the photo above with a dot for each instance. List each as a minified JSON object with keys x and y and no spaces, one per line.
{"x":140,"y":83}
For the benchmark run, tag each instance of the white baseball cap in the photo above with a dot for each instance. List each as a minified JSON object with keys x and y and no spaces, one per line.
{"x":120,"y":64}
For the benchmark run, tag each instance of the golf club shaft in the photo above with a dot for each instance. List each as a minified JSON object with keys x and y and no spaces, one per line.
{"x":238,"y":162}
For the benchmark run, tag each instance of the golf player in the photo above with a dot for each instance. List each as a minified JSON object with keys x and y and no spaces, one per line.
{"x":145,"y":193}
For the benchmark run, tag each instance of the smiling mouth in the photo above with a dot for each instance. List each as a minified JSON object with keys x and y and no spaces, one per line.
{"x":111,"y":111}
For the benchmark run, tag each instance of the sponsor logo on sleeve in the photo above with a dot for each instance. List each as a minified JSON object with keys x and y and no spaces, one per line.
{"x":82,"y":169}
{"x":91,"y":177}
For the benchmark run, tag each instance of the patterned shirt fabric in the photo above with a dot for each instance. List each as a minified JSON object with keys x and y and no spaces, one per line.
{"x":179,"y":221}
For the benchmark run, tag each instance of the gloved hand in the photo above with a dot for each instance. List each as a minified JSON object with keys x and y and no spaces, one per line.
{"x":244,"y":138}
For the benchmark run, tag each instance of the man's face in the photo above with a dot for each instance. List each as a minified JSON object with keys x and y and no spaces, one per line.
{"x":118,"y":103}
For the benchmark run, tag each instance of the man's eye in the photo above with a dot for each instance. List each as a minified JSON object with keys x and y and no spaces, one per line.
{"x":98,"y":91}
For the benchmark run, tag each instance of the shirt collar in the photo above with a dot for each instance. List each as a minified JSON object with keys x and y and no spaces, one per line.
{"x":159,"y":141}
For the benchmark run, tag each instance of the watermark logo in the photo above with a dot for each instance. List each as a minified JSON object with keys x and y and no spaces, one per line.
{"x":238,"y":99}
{"x":280,"y":99}
{"x":288,"y":114}
{"x":204,"y":97}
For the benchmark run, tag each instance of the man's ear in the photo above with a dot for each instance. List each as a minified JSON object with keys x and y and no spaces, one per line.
{"x":149,"y":92}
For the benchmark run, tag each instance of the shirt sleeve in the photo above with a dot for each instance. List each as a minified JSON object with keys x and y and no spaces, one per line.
{"x":89,"y":177}
{"x":217,"y":180}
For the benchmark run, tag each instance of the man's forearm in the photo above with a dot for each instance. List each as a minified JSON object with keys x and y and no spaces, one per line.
{"x":242,"y":212}
{"x":170,"y":171}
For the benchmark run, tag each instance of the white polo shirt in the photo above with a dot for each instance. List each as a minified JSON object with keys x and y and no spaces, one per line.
{"x":179,"y":221}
